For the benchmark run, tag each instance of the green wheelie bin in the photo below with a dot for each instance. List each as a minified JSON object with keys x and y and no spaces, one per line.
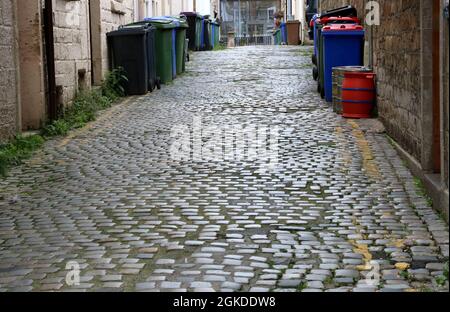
{"x":165,"y":52}
{"x":180,"y":41}
{"x":194,"y":31}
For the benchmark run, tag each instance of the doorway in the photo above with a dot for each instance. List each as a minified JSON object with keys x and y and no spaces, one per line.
{"x":30,"y":18}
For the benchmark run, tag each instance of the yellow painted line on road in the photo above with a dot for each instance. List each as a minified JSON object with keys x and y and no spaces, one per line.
{"x":361,"y":249}
{"x":368,"y":159}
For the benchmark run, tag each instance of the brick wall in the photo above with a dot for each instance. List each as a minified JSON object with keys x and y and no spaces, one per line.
{"x":8,"y":72}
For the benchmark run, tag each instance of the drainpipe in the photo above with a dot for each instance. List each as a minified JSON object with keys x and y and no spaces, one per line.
{"x":50,"y":59}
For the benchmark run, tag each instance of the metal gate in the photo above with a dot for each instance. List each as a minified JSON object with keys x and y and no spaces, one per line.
{"x":251,"y":40}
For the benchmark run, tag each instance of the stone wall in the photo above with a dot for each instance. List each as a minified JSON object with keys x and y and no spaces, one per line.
{"x":9,"y":113}
{"x":74,"y":22}
{"x":397,"y":62}
{"x":332,"y":4}
{"x":113,"y":14}
{"x":445,"y":97}
{"x":72,"y":47}
{"x":107,"y":15}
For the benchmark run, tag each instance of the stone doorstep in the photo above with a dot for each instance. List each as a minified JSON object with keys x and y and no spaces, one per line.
{"x":432,"y":182}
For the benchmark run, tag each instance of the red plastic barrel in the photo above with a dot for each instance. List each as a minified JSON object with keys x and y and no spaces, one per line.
{"x":358,"y":95}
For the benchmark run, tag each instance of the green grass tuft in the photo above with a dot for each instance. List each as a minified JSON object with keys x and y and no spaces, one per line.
{"x":18,"y":149}
{"x":84,"y":109}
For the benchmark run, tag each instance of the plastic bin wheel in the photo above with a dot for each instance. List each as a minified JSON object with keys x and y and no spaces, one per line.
{"x":151,"y":85}
{"x":315,"y":73}
{"x":158,"y":83}
{"x":314,"y":59}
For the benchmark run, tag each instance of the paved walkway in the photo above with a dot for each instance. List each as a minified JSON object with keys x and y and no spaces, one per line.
{"x":335,"y":210}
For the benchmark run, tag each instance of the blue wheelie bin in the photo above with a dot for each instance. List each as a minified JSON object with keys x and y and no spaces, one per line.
{"x":321,"y":22}
{"x":343,"y":45}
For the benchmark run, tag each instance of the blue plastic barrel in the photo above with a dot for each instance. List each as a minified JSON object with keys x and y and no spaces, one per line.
{"x":343,"y":45}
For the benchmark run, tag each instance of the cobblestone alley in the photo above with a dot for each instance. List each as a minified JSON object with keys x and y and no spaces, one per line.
{"x":339,"y":204}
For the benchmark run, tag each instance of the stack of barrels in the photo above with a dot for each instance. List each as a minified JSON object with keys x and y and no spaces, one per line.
{"x":354,"y":91}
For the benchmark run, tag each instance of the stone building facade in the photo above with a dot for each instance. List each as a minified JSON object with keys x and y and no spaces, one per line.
{"x":409,"y":53}
{"x":107,"y":15}
{"x":148,"y":8}
{"x":79,"y":50}
{"x":72,"y":47}
{"x":9,"y":110}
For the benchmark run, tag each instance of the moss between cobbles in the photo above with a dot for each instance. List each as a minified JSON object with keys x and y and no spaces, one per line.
{"x":84,"y":109}
{"x":422,"y":192}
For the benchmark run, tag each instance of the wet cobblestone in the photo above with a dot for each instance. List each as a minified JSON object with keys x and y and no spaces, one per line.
{"x":112,"y":199}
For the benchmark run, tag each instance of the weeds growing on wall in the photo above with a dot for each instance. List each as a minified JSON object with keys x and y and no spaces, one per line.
{"x":86,"y":105}
{"x":84,"y":108}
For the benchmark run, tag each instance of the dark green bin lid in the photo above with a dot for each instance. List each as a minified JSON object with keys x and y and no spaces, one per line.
{"x":180,"y":22}
{"x":160,"y":22}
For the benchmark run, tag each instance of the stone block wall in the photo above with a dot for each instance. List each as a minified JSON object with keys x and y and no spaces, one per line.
{"x":445,"y":97}
{"x":397,"y":63}
{"x":72,"y":47}
{"x":72,"y":33}
{"x":9,"y":112}
{"x":113,"y":13}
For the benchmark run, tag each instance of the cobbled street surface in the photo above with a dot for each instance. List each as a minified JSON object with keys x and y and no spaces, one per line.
{"x":339,"y":212}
